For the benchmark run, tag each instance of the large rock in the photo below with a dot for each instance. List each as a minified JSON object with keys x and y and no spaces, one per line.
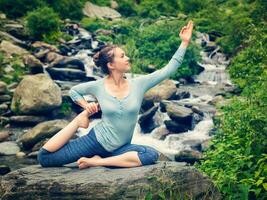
{"x":36,"y":94}
{"x":41,"y":131}
{"x":92,"y":10}
{"x":164,"y":90}
{"x":10,"y":48}
{"x":35,"y":182}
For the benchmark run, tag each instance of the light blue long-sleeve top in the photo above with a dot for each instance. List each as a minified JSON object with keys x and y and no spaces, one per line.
{"x":119,"y":116}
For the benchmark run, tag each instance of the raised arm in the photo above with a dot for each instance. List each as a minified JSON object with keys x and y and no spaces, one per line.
{"x":150,"y":80}
{"x":76,"y":92}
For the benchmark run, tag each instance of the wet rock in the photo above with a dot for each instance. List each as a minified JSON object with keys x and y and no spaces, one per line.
{"x":32,"y":154}
{"x":11,"y":49}
{"x":3,"y":108}
{"x":33,"y":63}
{"x":106,"y":183}
{"x":146,"y":120}
{"x":146,"y":105}
{"x":91,"y":10}
{"x":189,"y":156}
{"x":27,"y":119}
{"x":179,"y":114}
{"x":210,"y":46}
{"x":160,"y":133}
{"x":40,"y":45}
{"x":9,"y":148}
{"x":71,"y":63}
{"x":4,"y":135}
{"x":3,"y":87}
{"x":21,"y":154}
{"x":4,"y":120}
{"x":15,"y":29}
{"x":36,"y":94}
{"x":67,"y":74}
{"x":4,"y":169}
{"x":4,"y":98}
{"x":197,"y":110}
{"x":164,"y":90}
{"x":38,"y":145}
{"x":40,"y":132}
{"x":194,"y":144}
{"x":176,"y":127}
{"x":181,"y":95}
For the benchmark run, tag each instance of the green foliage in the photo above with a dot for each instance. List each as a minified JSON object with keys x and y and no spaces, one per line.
{"x":237,"y":149}
{"x":18,"y":8}
{"x":42,"y":23}
{"x":191,"y":6}
{"x":92,"y":24}
{"x":100,"y":2}
{"x":154,"y":9}
{"x":127,"y":8}
{"x":17,"y":69}
{"x":67,"y":8}
{"x":65,"y":108}
{"x":237,"y":158}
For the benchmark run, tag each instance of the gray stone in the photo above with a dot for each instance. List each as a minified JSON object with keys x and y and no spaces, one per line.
{"x":35,"y":182}
{"x":10,"y":48}
{"x":35,"y":65}
{"x":164,"y":90}
{"x":36,"y":94}
{"x":92,"y":10}
{"x":41,"y":131}
{"x":27,"y":119}
{"x":189,"y":156}
{"x":3,"y":87}
{"x":9,"y":148}
{"x":4,"y":135}
{"x":4,"y":169}
{"x":5,"y":97}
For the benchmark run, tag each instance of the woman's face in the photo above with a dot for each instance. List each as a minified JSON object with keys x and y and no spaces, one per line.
{"x":120,"y":61}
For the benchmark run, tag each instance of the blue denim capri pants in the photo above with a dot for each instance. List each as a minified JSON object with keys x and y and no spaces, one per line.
{"x":88,"y":146}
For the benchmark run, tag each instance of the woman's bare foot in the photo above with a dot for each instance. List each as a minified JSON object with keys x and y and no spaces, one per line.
{"x":84,"y":162}
{"x":82,"y":119}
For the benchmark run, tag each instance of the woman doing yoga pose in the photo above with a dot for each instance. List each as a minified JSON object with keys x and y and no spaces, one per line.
{"x":108,"y":142}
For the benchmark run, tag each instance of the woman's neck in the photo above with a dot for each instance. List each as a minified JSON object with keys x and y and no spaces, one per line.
{"x":117,"y":79}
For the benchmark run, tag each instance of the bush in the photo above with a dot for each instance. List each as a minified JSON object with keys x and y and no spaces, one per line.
{"x":154,"y":9}
{"x":127,"y":8}
{"x":191,"y":6}
{"x":42,"y":22}
{"x":67,"y":8}
{"x":92,"y":24}
{"x":18,"y":8}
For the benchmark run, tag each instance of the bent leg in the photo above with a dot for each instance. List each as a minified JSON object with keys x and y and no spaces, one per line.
{"x":86,"y":145}
{"x":147,"y":155}
{"x":65,"y":134}
{"x":129,"y":155}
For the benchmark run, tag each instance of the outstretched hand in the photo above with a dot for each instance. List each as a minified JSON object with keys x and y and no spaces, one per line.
{"x":186,"y":32}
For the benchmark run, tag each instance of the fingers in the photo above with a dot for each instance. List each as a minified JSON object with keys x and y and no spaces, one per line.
{"x":92,"y":107}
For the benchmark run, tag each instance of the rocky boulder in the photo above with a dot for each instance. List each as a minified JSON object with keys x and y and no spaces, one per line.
{"x":164,"y":90}
{"x":92,"y":10}
{"x":10,"y":48}
{"x":35,"y":182}
{"x":41,"y":131}
{"x":35,"y":94}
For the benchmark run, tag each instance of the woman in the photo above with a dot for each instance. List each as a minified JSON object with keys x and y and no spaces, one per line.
{"x":108,"y":142}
